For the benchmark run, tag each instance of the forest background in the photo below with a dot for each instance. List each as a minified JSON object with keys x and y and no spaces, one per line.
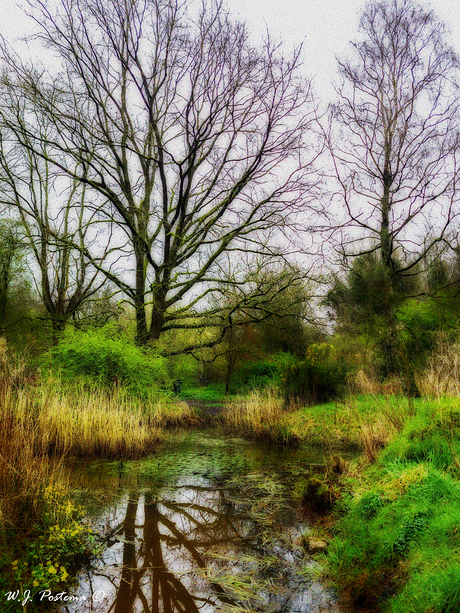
{"x":185,"y":221}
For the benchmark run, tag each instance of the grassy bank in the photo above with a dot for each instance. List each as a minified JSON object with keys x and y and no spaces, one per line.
{"x":364,"y":423}
{"x":396,"y":544}
{"x":395,"y":540}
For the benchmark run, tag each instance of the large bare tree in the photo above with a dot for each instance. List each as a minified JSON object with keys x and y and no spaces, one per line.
{"x":192,"y":141}
{"x":394,"y":145}
{"x":394,"y":136}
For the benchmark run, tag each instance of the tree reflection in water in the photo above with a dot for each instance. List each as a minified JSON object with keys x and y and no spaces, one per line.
{"x":161,"y":545}
{"x":196,"y":546}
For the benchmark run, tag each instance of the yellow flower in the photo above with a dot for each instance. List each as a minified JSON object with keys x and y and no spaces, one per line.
{"x":52,"y":570}
{"x":35,"y":583}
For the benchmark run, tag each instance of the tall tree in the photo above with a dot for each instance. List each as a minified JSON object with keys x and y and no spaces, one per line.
{"x":54,"y":225}
{"x":192,"y":141}
{"x":394,"y":137}
{"x":12,"y":270}
{"x":393,"y":143}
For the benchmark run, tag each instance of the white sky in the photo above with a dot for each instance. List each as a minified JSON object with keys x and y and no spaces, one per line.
{"x":325,"y":27}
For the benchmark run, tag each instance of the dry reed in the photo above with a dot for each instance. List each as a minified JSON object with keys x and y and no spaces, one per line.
{"x":42,"y":419}
{"x":260,"y":414}
{"x":441,"y":377}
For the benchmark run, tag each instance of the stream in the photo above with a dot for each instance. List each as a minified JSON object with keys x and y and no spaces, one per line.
{"x":206,"y":525}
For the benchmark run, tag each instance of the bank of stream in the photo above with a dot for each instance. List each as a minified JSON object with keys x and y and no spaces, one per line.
{"x":208,"y":524}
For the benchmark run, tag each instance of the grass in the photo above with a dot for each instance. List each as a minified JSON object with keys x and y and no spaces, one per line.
{"x":397,"y":541}
{"x":209,"y":394}
{"x":364,"y":423}
{"x":63,"y":421}
{"x":102,"y":424}
{"x":259,"y":414}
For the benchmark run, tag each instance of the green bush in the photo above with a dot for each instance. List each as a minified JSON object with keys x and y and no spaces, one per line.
{"x":108,"y":360}
{"x":320,"y":377}
{"x":259,"y":374}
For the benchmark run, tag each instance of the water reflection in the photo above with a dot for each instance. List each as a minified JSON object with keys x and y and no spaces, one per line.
{"x":199,"y":543}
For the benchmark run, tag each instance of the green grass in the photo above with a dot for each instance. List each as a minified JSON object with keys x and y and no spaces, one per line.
{"x":362,"y":423}
{"x":397,"y":542}
{"x":210,"y":394}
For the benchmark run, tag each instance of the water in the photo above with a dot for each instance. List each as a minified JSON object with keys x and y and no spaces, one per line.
{"x":206,"y":525}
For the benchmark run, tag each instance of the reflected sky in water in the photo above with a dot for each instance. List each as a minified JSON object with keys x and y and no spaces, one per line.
{"x":206,"y":526}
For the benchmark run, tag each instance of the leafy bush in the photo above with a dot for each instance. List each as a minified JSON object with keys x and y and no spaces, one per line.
{"x":318,"y":378}
{"x":108,"y":360}
{"x":259,"y":374}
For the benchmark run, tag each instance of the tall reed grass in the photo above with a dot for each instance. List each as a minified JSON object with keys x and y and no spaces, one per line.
{"x":367,"y":423}
{"x":261,"y":414}
{"x":441,"y":377}
{"x":41,"y":419}
{"x":90,"y":423}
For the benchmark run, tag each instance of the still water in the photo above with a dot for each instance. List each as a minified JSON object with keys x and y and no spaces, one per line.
{"x":206,"y":525}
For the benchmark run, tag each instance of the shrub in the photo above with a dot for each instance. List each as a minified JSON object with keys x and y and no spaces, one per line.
{"x":259,"y":374}
{"x":108,"y":360}
{"x":320,"y":377}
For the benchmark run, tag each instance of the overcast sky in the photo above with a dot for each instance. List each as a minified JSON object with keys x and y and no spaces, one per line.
{"x":325,"y":27}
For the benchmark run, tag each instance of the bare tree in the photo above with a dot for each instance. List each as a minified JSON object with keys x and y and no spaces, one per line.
{"x":12,"y":270}
{"x":55,"y":227}
{"x":191,"y":140}
{"x":393,"y":143}
{"x":396,"y":137}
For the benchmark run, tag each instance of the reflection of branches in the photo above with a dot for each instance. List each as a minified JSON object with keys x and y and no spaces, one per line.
{"x":200,"y":549}
{"x":145,"y":578}
{"x":128,"y":588}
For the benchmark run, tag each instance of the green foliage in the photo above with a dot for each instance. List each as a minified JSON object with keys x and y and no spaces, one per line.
{"x":104,"y":358}
{"x":419,"y":320}
{"x":48,"y":557}
{"x":369,"y":294}
{"x":318,"y":378}
{"x":208,"y":394}
{"x":259,"y":374}
{"x":410,"y":531}
{"x":184,"y":368}
{"x":369,"y":504}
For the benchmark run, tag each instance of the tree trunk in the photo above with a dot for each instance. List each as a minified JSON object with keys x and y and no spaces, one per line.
{"x":158,"y":314}
{"x":157,"y":323}
{"x":58,"y":323}
{"x":142,"y":336}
